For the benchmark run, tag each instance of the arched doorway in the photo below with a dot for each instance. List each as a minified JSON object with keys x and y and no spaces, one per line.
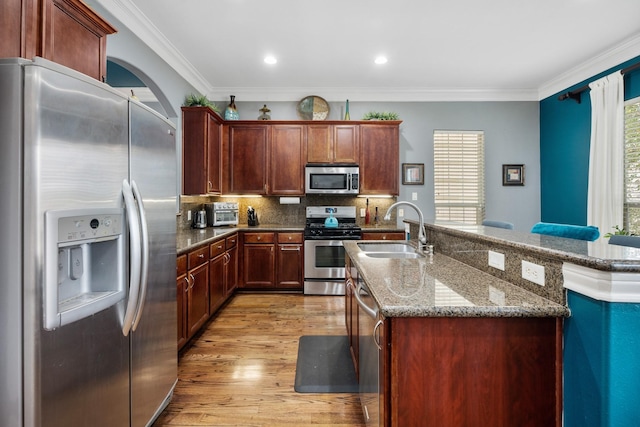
{"x":129,"y":79}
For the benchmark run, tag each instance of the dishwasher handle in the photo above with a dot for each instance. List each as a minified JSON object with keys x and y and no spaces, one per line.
{"x":373,"y":312}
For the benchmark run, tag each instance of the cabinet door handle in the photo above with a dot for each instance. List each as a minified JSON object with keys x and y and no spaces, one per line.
{"x":193,"y":281}
{"x":376,"y":335}
{"x":186,"y":288}
{"x":210,"y":185}
{"x":200,"y":255}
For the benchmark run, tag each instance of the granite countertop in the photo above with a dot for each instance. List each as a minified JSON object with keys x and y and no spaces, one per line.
{"x":599,"y":255}
{"x":192,"y":238}
{"x":439,"y":286}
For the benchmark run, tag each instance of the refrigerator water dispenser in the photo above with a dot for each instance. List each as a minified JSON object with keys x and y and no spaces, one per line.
{"x":84,"y":267}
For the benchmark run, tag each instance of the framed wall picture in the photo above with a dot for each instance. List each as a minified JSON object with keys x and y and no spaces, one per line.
{"x":413,"y":173}
{"x":512,"y":174}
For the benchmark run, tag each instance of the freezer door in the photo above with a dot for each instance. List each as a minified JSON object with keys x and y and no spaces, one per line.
{"x":75,"y":158}
{"x":154,"y":362}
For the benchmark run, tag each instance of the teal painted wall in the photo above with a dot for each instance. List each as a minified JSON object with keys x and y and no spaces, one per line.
{"x":601,"y":363}
{"x":565,"y":131}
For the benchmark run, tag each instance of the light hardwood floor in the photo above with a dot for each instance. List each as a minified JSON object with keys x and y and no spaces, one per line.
{"x":240,"y":371}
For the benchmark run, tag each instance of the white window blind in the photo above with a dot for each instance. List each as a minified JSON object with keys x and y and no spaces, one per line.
{"x":458,"y":158}
{"x":632,"y":166}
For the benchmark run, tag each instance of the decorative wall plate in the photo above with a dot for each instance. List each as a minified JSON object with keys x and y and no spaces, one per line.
{"x":313,"y":108}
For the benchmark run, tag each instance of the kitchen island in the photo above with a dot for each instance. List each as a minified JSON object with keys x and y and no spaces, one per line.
{"x":457,"y":346}
{"x":469,"y":341}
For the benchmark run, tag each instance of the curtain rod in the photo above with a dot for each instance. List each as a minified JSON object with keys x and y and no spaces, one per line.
{"x":575,"y":94}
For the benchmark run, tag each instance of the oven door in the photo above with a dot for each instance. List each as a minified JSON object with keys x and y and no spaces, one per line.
{"x":324,"y":267}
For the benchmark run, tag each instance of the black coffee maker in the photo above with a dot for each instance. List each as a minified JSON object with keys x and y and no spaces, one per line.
{"x":252,"y":216}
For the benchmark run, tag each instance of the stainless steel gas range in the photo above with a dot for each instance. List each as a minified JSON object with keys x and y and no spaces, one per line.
{"x":323,"y":250}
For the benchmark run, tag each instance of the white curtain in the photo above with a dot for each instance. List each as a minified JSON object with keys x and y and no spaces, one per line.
{"x":606,"y":159}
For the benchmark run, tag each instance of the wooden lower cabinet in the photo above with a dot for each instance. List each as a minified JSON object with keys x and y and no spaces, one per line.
{"x":383,"y":235}
{"x":182,"y":284}
{"x":223,"y":271}
{"x":258,"y":262}
{"x":198,"y":291}
{"x":272,"y":261}
{"x":217,"y":277}
{"x":472,"y":371}
{"x":231,"y":267}
{"x":290,"y":261}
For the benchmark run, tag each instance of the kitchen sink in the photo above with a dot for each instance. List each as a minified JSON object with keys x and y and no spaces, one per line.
{"x":393,"y":254}
{"x":389,"y":250}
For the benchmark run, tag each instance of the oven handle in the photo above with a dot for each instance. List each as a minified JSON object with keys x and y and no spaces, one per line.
{"x":373,"y":312}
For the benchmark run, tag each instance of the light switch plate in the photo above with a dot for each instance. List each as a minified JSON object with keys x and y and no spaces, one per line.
{"x":362,"y":212}
{"x":400,"y":213}
{"x":414,"y":196}
{"x":496,"y":260}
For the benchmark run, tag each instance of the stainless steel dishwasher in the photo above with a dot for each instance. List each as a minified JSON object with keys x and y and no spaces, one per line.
{"x":370,"y":329}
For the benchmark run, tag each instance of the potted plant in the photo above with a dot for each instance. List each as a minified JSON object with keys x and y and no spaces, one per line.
{"x":193,"y":100}
{"x":618,"y":231}
{"x":375,"y":115}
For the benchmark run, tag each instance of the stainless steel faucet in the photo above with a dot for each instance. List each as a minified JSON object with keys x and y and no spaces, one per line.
{"x":422,"y":235}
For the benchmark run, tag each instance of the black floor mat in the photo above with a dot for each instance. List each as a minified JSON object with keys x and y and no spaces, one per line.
{"x":324,"y":365}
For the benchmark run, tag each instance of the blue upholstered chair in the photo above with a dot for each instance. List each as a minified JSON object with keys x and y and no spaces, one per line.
{"x":623,"y":240}
{"x":580,"y":232}
{"x":498,"y":224}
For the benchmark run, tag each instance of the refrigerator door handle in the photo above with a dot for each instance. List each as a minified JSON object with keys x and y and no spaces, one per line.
{"x":135,"y":254}
{"x":144,"y":232}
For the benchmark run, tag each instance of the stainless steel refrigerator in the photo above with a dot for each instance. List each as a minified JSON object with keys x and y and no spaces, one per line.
{"x":87,"y":252}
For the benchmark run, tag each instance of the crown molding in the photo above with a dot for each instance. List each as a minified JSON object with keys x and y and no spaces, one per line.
{"x":372,"y":94}
{"x":131,"y":17}
{"x":628,"y":49}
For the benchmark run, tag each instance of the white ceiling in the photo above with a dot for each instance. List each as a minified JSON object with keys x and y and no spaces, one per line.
{"x":437,"y":50}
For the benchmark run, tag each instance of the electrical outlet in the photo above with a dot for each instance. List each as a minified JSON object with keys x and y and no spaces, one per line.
{"x":496,"y":260}
{"x":414,"y":196}
{"x":533,"y":272}
{"x":362,"y":212}
{"x":189,"y":215}
{"x":400,"y":213}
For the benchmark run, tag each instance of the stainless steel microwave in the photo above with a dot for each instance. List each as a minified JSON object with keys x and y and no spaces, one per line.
{"x":332,"y":180}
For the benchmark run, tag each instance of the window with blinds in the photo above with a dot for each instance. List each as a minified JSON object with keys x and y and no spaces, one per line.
{"x":632,"y":166}
{"x":458,"y":165}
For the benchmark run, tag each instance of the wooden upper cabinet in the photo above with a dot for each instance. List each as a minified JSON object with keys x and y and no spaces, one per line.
{"x":64,"y":31}
{"x":332,"y":143}
{"x":379,"y":158}
{"x":287,"y":160}
{"x":201,"y":151}
{"x":245,"y":159}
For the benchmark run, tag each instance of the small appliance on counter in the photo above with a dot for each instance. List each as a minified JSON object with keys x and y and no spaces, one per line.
{"x":200,"y":219}
{"x":252,"y":217}
{"x":222,"y":213}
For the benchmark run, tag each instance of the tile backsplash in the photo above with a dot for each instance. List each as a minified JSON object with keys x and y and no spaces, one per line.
{"x":271,"y":211}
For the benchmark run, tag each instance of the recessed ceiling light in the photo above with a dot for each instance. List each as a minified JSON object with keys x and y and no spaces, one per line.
{"x":381,"y":60}
{"x":270,"y":60}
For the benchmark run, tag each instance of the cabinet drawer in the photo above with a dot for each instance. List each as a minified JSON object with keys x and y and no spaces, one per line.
{"x":231,"y":241}
{"x":181,"y":265}
{"x":289,"y":237}
{"x":216,"y":248}
{"x":198,"y":257}
{"x":259,"y":237}
{"x":378,"y":235}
